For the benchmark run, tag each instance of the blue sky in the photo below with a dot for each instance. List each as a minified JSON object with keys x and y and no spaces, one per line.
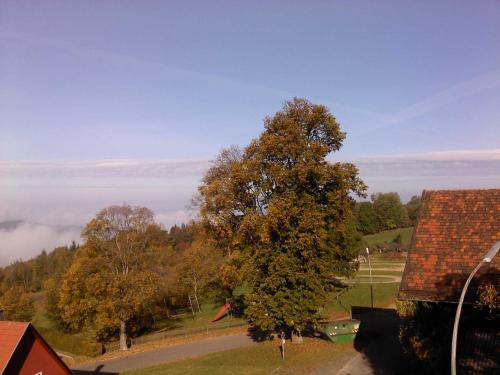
{"x":174,"y":82}
{"x":156,"y":80}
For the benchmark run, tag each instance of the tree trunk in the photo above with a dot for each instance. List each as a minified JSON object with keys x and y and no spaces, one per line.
{"x":196,"y":295}
{"x":123,"y":336}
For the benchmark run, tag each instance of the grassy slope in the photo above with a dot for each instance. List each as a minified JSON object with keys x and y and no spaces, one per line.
{"x":199,"y":320}
{"x":263,"y":358}
{"x":389,"y":236}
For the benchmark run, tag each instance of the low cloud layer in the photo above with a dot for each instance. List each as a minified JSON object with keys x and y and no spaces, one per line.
{"x":71,"y":193}
{"x":28,"y":239}
{"x":103,"y":168}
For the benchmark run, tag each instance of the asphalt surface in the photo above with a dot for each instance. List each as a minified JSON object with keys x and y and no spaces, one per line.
{"x":164,"y":355}
{"x":378,"y":344}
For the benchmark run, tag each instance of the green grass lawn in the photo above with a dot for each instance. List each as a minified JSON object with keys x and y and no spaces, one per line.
{"x":359,"y":295}
{"x":204,"y":318}
{"x":263,"y":358}
{"x":388,"y":236}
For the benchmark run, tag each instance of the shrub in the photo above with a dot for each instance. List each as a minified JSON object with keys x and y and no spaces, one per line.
{"x":425,"y":334}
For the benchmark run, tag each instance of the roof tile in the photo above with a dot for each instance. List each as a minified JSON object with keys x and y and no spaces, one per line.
{"x":10,"y":335}
{"x":454,"y":230}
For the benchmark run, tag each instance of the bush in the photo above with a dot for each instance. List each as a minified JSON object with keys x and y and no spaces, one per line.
{"x":425,"y":334}
{"x":17,"y":305}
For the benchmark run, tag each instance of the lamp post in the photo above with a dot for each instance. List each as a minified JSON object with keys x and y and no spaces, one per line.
{"x":371,"y":280}
{"x":487,"y":258}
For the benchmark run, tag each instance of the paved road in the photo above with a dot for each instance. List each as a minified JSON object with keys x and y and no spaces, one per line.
{"x":167,"y":354}
{"x":378,"y":344}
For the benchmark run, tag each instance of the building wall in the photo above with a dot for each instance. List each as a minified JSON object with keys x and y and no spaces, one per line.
{"x":33,"y":357}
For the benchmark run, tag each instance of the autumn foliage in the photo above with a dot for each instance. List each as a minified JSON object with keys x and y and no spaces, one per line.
{"x":283,"y":213}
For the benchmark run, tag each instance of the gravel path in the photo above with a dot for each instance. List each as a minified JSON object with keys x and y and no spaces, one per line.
{"x":164,"y":355}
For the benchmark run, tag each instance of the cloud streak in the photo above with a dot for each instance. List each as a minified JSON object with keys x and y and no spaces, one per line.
{"x":456,"y":92}
{"x":135,"y":62}
{"x":466,"y":88}
{"x":446,"y":155}
{"x":134,"y":168}
{"x":104,"y":168}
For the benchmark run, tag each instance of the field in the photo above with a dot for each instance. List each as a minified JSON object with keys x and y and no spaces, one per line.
{"x":388,"y":236}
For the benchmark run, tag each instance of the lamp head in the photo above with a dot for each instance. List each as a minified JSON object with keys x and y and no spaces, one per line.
{"x":492,"y":252}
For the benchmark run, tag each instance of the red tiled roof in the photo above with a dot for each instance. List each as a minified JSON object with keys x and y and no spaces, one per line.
{"x":455,"y":229}
{"x":10,"y":335}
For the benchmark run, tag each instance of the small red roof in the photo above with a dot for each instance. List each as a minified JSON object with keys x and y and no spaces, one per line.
{"x":454,"y":231}
{"x":10,"y":336}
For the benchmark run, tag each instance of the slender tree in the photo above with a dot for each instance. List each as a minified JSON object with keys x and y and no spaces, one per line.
{"x":197,"y":269}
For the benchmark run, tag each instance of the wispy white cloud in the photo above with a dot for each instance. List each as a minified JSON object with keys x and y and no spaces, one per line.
{"x":409,"y":174}
{"x":443,"y":155}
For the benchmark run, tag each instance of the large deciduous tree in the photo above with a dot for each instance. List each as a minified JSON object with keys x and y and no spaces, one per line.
{"x":286,"y":214}
{"x":112,"y":280}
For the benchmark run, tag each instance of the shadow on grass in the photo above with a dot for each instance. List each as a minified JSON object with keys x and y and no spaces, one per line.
{"x":378,"y":339}
{"x":258,"y":335}
{"x":97,"y":371}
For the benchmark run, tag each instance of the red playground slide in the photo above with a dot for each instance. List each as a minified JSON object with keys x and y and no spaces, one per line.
{"x":221,"y":312}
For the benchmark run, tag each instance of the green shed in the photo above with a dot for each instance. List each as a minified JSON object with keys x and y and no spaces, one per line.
{"x":344,"y":330}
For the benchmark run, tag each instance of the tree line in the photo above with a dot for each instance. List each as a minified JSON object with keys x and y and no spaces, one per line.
{"x":385,"y":211}
{"x":173,"y":261}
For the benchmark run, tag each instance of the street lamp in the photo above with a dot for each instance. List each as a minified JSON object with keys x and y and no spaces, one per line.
{"x":371,"y":280}
{"x":487,"y":258}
